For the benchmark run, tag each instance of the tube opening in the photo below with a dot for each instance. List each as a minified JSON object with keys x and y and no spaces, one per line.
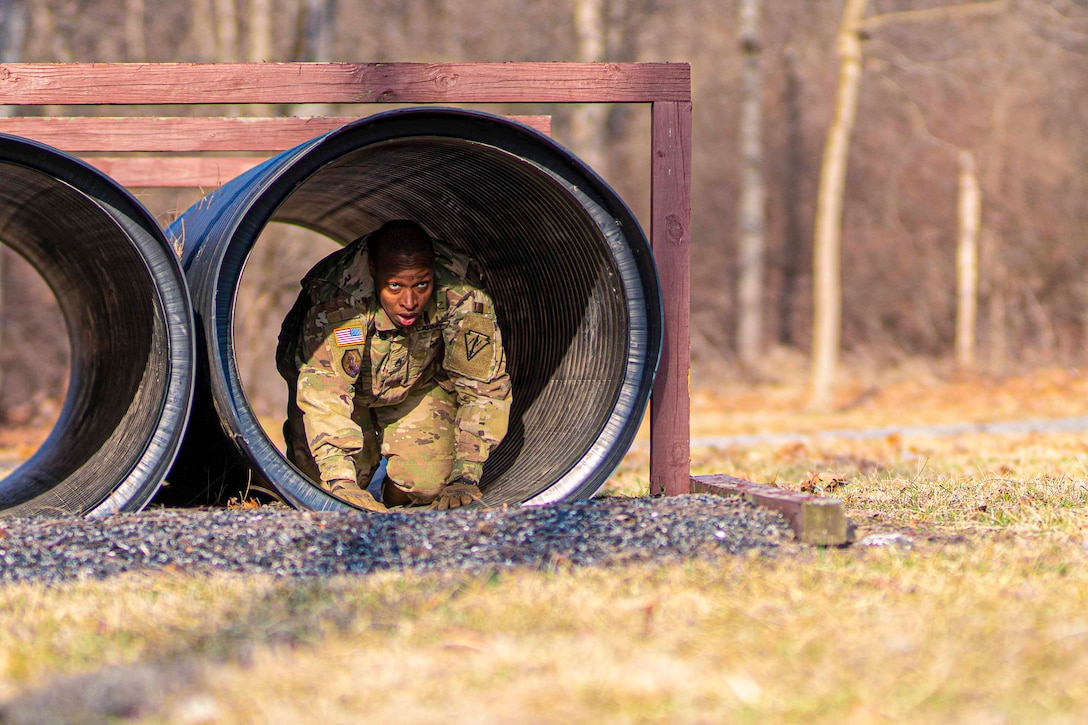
{"x":568,"y":267}
{"x":35,"y":360}
{"x":266,"y":291}
{"x":106,"y":263}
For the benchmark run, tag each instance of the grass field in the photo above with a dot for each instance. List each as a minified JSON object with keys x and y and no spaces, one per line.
{"x":975,"y":611}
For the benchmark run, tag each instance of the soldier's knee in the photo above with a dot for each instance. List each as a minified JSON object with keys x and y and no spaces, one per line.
{"x":419,"y":479}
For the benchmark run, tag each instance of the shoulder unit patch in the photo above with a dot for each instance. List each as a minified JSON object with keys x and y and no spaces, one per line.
{"x":474,"y":352}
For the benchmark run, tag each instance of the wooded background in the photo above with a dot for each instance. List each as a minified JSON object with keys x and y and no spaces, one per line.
{"x":990,"y":90}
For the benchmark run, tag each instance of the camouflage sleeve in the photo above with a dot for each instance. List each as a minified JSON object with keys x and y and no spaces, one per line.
{"x":326,"y":391}
{"x":287,"y":342}
{"x":476,"y":364}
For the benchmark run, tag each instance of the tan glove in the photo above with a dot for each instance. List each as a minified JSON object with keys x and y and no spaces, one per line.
{"x":458,"y":492}
{"x":349,"y":492}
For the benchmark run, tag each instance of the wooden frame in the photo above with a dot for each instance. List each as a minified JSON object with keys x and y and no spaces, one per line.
{"x":666,"y":87}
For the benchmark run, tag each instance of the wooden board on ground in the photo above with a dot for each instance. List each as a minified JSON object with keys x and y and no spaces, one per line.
{"x":817,"y":520}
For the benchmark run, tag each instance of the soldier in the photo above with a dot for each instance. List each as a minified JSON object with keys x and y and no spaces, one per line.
{"x":393,"y":349}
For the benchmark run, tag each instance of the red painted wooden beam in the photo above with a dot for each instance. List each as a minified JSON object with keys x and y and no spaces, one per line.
{"x":186,"y":133}
{"x":233,"y":83}
{"x":814,"y":519}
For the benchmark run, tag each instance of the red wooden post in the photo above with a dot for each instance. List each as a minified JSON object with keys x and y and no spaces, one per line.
{"x":670,"y":229}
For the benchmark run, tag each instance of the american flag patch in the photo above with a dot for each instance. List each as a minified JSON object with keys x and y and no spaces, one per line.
{"x":347,"y":336}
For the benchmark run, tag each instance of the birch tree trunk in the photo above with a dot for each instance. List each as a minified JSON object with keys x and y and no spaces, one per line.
{"x":827,"y":245}
{"x":750,"y":217}
{"x":969,"y":215}
{"x":588,"y":120}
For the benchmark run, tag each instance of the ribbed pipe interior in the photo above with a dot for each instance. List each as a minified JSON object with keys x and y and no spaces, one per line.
{"x":127,"y":316}
{"x":556,"y":287}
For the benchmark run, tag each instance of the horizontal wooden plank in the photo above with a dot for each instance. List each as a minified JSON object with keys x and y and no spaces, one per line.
{"x":180,"y":134}
{"x":199,"y":172}
{"x":181,"y":83}
{"x":817,"y":520}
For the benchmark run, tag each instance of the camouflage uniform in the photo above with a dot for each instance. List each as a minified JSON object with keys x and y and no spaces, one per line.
{"x":433,"y":398}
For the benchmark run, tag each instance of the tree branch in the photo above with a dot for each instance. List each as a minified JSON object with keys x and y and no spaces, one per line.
{"x":928,"y":15}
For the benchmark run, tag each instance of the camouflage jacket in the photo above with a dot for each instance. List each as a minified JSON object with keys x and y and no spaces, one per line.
{"x":348,"y":356}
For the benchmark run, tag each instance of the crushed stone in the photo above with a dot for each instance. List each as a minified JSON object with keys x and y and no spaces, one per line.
{"x":606,"y":531}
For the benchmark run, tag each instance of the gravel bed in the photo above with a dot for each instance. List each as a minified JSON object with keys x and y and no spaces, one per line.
{"x":273,"y":540}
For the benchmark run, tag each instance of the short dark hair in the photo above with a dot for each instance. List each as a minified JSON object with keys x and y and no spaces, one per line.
{"x":398,"y":241}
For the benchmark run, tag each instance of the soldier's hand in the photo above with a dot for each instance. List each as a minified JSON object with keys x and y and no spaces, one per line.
{"x":349,"y":492}
{"x":458,"y":492}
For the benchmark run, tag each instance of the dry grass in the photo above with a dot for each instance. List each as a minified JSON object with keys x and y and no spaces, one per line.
{"x":982,"y":618}
{"x":970,"y":631}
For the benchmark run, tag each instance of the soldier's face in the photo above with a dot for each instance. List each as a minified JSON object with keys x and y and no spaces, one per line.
{"x":403,"y":287}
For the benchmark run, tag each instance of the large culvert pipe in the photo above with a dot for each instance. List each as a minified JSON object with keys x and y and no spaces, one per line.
{"x":126,"y":307}
{"x":570,"y":270}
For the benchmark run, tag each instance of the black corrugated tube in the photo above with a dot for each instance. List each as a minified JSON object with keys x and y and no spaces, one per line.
{"x":569,"y":268}
{"x":126,"y":307}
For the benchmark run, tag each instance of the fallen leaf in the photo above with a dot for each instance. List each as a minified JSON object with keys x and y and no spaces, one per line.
{"x":837,"y":482}
{"x":811,"y":483}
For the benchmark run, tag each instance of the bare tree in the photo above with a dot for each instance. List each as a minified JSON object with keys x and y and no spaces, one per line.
{"x":14,"y":22}
{"x":260,"y":31}
{"x":827,"y":280}
{"x":318,"y":27}
{"x":751,"y":263}
{"x":794,"y":237}
{"x":969,"y":210}
{"x":202,"y":38}
{"x":135,"y":21}
{"x":992,"y":242}
{"x":316,"y":44}
{"x":827,"y":254}
{"x":587,"y":120}
{"x":226,"y":30}
{"x":259,"y":45}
